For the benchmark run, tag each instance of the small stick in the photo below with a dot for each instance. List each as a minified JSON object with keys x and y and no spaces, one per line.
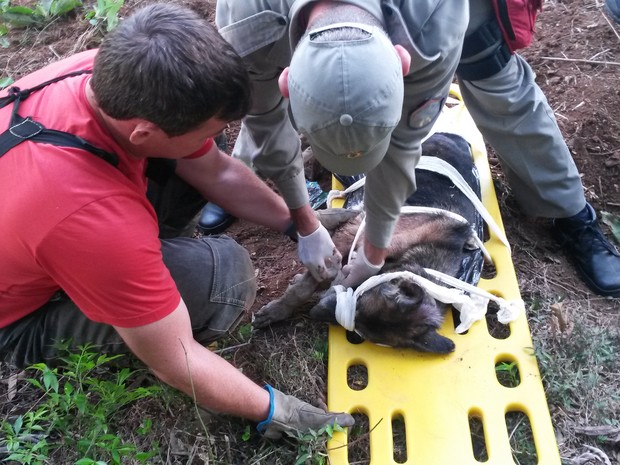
{"x":580,"y":60}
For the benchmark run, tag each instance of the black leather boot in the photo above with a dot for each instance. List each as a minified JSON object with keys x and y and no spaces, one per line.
{"x":597,"y":259}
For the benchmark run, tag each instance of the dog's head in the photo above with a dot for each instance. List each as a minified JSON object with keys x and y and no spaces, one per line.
{"x":397,"y":313}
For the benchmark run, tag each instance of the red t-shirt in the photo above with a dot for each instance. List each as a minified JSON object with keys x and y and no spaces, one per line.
{"x":72,"y":221}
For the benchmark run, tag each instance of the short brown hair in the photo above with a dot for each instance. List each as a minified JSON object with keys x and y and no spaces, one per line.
{"x":169,"y":66}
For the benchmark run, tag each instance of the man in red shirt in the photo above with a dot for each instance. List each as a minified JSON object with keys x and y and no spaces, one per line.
{"x":83,"y":254}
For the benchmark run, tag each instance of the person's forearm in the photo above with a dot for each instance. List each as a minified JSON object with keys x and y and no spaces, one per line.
{"x":229,"y":183}
{"x":217,"y":385}
{"x":252,"y":199}
{"x":168,"y":348}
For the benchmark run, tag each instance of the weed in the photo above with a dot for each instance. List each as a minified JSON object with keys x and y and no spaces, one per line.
{"x":319,"y":352}
{"x":77,"y":412}
{"x":311,"y":445}
{"x":245,"y":332}
{"x":507,"y":374}
{"x":42,"y":13}
{"x":105,"y":12}
{"x":580,"y":369}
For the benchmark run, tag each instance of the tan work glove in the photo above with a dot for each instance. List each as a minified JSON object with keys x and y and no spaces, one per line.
{"x":287,"y":414}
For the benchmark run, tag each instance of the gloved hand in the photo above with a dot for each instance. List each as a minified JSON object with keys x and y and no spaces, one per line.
{"x":319,"y":254}
{"x":287,"y":414}
{"x":359,"y":270}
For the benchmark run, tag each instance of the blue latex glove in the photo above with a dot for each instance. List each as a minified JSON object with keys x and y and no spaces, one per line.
{"x":319,"y":254}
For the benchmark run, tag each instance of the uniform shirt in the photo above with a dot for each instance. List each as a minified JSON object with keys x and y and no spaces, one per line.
{"x":72,"y":221}
{"x":431,"y":31}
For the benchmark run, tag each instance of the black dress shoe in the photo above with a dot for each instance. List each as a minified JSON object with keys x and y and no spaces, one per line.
{"x":597,"y":259}
{"x":214,"y":220}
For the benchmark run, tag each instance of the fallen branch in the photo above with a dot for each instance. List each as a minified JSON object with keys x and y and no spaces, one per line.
{"x":611,"y":433}
{"x":581,"y":60}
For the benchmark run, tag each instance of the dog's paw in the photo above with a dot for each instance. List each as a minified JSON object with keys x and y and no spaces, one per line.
{"x":271,"y":313}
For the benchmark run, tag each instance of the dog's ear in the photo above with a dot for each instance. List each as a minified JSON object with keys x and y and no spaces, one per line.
{"x":325,"y":310}
{"x":433,"y":342}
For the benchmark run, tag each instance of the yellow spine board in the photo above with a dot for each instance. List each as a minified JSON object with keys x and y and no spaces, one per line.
{"x":435,"y":397}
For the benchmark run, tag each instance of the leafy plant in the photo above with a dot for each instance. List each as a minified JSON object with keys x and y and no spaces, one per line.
{"x":613,"y":221}
{"x":311,"y":445}
{"x":507,"y":374}
{"x":42,"y":12}
{"x":5,"y":81}
{"x":105,"y":13}
{"x":78,"y":410}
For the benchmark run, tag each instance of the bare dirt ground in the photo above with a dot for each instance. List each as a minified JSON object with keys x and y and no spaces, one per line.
{"x":576,"y":56}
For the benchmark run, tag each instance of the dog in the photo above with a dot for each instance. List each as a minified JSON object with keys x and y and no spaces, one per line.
{"x":399,"y":312}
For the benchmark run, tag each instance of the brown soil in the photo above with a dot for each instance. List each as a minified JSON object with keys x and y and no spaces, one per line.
{"x":576,"y":56}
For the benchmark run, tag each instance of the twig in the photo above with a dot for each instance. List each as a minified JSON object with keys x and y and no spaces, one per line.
{"x":202,"y":423}
{"x":226,"y":349}
{"x":611,"y":25}
{"x":581,"y":60}
{"x":358,"y":439}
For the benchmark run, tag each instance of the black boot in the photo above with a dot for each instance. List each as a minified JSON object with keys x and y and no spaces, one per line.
{"x":597,"y":259}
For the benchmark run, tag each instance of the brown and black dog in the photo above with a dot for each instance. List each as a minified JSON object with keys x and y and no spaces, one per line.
{"x":399,"y":313}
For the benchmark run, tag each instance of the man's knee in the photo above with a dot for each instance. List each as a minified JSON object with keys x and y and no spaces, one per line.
{"x":216,"y":279}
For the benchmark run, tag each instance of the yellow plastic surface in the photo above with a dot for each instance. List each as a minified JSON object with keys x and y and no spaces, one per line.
{"x":435,"y":396}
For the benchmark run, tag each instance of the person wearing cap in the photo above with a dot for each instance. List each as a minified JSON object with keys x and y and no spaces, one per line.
{"x":354,"y":125}
{"x":92,"y":251}
{"x":364,"y":103}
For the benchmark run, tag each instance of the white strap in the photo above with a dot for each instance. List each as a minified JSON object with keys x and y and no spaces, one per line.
{"x":439,"y":166}
{"x":337,"y":194}
{"x":471,"y":307}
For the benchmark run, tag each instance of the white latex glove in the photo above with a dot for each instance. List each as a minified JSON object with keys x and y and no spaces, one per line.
{"x":319,"y":254}
{"x":359,"y":270}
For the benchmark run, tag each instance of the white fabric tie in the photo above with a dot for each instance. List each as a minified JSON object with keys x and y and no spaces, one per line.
{"x":471,"y":307}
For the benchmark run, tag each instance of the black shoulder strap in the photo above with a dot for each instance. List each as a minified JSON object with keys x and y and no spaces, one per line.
{"x":22,"y":129}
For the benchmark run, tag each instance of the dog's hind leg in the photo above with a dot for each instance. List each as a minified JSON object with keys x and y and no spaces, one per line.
{"x":298,"y":293}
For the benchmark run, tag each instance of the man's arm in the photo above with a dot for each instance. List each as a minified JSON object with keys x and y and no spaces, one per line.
{"x":168,"y":348}
{"x":232,"y":185}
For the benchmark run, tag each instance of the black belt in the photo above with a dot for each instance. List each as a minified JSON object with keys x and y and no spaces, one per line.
{"x":486,"y":36}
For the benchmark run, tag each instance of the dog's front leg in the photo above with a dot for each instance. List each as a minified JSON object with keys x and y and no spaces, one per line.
{"x":298,"y":293}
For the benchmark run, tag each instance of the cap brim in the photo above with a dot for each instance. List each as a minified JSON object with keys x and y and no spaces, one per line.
{"x":349,"y":165}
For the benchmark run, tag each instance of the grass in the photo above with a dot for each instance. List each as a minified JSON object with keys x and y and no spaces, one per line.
{"x":78,"y":405}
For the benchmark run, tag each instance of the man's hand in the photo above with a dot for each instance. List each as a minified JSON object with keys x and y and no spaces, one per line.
{"x":319,"y":254}
{"x":359,"y":270}
{"x":287,"y":414}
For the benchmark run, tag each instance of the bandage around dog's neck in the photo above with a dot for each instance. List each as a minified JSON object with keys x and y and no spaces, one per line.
{"x":471,"y":307}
